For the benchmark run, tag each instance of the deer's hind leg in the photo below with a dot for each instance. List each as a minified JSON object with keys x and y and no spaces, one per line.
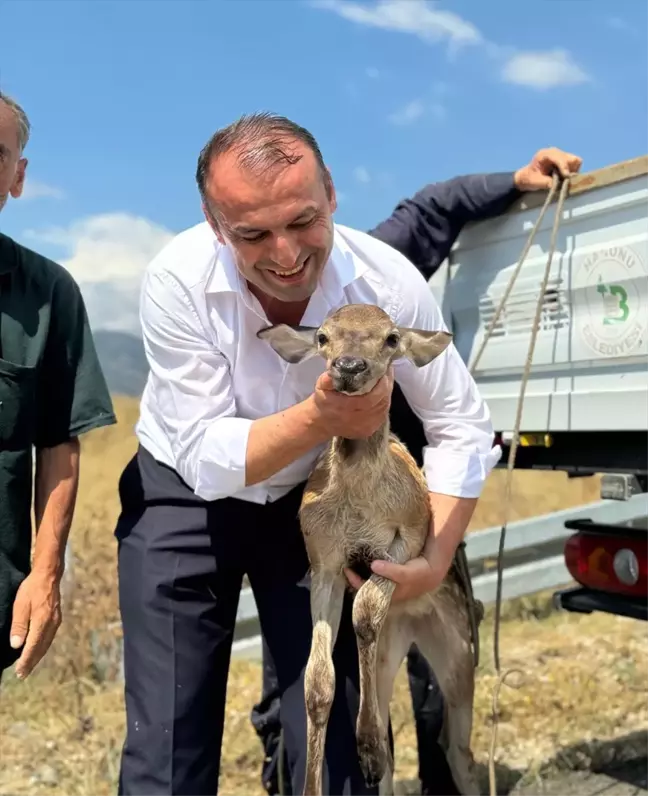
{"x":395,"y":641}
{"x":370,"y":608}
{"x":443,"y":639}
{"x":327,"y":596}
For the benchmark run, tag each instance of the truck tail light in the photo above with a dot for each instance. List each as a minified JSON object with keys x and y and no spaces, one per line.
{"x":609,"y":563}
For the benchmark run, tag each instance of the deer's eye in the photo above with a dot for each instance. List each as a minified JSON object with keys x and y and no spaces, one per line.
{"x":322,"y":339}
{"x":392,"y":340}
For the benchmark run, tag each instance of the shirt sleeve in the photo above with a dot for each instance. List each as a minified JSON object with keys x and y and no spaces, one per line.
{"x":456,"y":420}
{"x":194,"y":397}
{"x":73,"y":397}
{"x":425,"y":227}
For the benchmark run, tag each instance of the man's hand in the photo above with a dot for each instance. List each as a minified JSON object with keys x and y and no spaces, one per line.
{"x":418,"y":576}
{"x":449,"y":519}
{"x":352,"y":416}
{"x":36,"y":618}
{"x":537,"y":175}
{"x":37,"y":606}
{"x":278,"y":440}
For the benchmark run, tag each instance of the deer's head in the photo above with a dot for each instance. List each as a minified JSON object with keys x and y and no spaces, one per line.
{"x":359,"y":342}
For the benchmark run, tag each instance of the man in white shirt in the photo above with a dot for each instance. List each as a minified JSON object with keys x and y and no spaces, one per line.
{"x":228,"y":434}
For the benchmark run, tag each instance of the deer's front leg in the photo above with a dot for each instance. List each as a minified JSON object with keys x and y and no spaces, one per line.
{"x":327,"y":596}
{"x":370,"y":609}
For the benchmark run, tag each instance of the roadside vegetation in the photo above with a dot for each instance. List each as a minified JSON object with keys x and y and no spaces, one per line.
{"x":584,"y":679}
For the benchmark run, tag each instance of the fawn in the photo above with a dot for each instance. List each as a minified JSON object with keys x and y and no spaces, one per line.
{"x":367,"y":499}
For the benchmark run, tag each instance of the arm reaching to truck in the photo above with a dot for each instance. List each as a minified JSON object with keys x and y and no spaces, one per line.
{"x":425,"y":226}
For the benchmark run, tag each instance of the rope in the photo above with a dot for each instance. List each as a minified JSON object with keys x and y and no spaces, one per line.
{"x":502,"y":677}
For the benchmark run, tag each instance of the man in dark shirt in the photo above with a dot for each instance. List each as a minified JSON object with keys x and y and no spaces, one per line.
{"x":51,"y":391}
{"x":424,"y":229}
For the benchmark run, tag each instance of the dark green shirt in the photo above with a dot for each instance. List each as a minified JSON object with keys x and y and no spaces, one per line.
{"x":51,"y":390}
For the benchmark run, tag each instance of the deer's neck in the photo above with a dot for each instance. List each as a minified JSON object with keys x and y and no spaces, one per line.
{"x":355,"y":451}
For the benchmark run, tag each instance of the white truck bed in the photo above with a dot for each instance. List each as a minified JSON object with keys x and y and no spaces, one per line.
{"x":590,"y":367}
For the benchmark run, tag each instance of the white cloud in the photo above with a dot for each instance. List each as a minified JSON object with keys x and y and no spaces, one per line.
{"x":361,"y":174}
{"x":107,"y":255}
{"x":112,"y":246}
{"x":34,"y":189}
{"x":543,"y":70}
{"x":417,"y":17}
{"x":408,"y":114}
{"x":422,"y":18}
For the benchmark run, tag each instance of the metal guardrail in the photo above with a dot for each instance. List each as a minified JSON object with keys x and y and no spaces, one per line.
{"x":523,"y":537}
{"x":533,"y":562}
{"x":550,"y":527}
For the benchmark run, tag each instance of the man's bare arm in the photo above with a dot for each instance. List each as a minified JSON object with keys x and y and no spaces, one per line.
{"x":450,"y":518}
{"x":55,"y":492}
{"x":36,"y":610}
{"x":278,"y":440}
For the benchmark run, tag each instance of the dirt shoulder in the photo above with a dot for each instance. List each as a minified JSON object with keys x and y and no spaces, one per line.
{"x":625,"y":779}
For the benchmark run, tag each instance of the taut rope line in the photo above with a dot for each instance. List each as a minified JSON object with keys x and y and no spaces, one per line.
{"x":502,"y":677}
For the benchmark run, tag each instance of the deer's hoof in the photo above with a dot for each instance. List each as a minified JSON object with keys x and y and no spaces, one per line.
{"x":373,"y":760}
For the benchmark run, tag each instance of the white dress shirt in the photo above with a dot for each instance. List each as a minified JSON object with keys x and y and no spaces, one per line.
{"x":211,"y":377}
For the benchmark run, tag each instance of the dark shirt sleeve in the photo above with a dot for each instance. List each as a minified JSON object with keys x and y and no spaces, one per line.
{"x":425,"y":227}
{"x":72,"y":394}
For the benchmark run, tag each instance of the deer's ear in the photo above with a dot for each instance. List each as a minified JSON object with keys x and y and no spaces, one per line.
{"x":292,"y":343}
{"x":422,"y":346}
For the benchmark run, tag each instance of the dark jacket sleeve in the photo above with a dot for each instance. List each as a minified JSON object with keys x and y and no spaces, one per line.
{"x":425,"y":227}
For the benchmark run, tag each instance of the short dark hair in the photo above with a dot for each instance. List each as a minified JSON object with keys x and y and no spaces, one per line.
{"x":262,"y":140}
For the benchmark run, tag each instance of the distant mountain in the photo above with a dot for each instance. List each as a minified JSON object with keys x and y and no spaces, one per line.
{"x":123,"y":361}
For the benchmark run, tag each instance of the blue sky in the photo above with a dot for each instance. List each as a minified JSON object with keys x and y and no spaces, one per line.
{"x":123,"y":94}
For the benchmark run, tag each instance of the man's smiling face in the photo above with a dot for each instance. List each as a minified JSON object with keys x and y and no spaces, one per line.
{"x":277,"y":221}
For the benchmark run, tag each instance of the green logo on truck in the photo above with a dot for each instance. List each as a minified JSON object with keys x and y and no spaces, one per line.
{"x":610,"y":294}
{"x":615,"y":302}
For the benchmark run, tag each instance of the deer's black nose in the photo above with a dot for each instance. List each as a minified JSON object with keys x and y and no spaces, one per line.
{"x":350,"y":364}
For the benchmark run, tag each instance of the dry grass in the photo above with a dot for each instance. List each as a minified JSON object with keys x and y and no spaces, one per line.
{"x":62,"y":730}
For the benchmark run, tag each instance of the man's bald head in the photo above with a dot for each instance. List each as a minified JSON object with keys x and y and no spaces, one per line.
{"x":262,"y":143}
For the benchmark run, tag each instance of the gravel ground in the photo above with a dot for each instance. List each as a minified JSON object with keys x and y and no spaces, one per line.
{"x":625,"y":779}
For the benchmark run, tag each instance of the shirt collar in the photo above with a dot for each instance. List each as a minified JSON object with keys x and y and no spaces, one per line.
{"x":342,"y":268}
{"x":225,"y":276}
